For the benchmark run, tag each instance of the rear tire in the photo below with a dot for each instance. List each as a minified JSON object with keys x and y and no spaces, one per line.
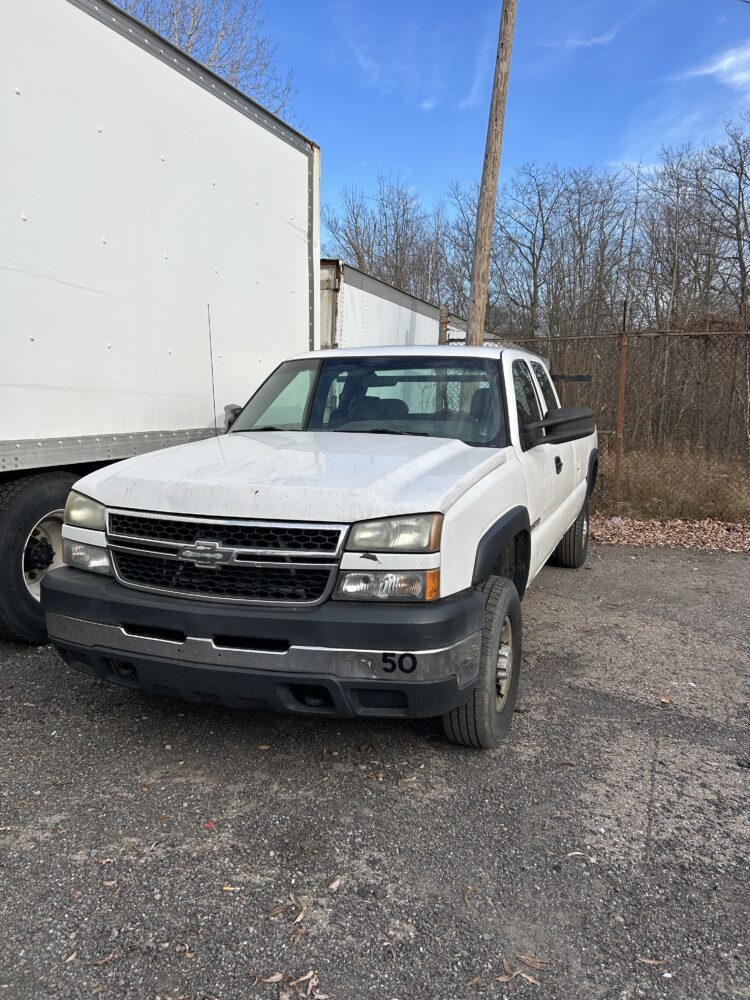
{"x":30,"y":522}
{"x":485,"y":718}
{"x":572,"y":548}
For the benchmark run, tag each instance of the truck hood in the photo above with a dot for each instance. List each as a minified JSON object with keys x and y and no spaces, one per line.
{"x":297,"y":476}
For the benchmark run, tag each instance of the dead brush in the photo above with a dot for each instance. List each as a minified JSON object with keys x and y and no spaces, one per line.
{"x":684,"y":483}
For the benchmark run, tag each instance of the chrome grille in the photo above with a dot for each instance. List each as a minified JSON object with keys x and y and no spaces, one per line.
{"x":254,"y":537}
{"x":277,"y":583}
{"x":259,"y":562}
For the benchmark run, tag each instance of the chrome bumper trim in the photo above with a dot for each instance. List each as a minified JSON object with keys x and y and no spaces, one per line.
{"x":460,"y":660}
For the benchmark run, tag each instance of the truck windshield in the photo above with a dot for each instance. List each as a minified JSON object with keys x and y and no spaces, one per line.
{"x":459,"y":398}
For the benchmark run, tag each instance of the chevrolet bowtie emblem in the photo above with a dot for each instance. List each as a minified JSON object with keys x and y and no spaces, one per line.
{"x":209,"y":555}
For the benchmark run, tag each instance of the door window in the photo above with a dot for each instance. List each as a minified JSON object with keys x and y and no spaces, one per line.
{"x":527,"y":406}
{"x":548,"y":393}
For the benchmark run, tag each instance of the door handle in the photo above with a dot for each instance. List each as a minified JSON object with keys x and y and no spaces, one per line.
{"x":558,"y":464}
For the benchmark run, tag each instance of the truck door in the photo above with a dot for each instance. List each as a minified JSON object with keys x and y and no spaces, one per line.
{"x":570,"y":474}
{"x":542,"y":465}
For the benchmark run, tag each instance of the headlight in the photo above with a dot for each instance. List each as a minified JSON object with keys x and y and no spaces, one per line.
{"x":418,"y":533}
{"x":84,"y":512}
{"x":414,"y":585}
{"x":83,"y":556}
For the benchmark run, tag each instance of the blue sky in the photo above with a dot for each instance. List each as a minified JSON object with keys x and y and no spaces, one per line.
{"x":403,"y":87}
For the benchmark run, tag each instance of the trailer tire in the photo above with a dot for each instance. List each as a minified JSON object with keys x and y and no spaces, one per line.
{"x":485,"y":718}
{"x":572,"y":548}
{"x":30,"y":509}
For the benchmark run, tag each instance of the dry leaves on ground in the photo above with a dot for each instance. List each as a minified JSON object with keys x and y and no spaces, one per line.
{"x":540,"y":964}
{"x":720,"y":536}
{"x":303,"y":986}
{"x":529,"y":960}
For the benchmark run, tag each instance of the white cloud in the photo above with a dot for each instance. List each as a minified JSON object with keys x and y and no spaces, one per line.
{"x":731,"y":67}
{"x":483,"y":62}
{"x":368,"y":65}
{"x":634,"y":166}
{"x":584,"y":43}
{"x":606,"y":37}
{"x":670,"y":120}
{"x":391,"y":64}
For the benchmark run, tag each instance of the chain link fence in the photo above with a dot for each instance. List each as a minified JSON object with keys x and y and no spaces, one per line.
{"x":680,"y":389}
{"x":686,"y":418}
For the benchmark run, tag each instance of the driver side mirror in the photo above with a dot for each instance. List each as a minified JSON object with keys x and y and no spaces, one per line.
{"x":566,"y":423}
{"x":231,"y":412}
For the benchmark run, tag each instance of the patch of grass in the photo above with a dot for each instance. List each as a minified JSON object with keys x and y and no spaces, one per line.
{"x":676,"y":484}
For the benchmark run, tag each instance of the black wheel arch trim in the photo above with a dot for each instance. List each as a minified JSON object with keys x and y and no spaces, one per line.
{"x":592,"y":470}
{"x":497,"y":536}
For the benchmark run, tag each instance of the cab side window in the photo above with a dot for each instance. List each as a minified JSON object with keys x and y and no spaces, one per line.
{"x":550,"y":399}
{"x":527,"y":406}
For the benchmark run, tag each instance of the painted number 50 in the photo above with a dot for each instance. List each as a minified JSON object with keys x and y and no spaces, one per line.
{"x":405,"y":662}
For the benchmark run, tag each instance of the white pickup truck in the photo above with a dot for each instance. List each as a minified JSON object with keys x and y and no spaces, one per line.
{"x":357,"y":543}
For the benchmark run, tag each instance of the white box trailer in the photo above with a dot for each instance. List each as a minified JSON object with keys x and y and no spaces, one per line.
{"x":358,"y":310}
{"x":159,"y":255}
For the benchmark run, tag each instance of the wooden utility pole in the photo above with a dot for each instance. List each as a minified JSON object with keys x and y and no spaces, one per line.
{"x":488,"y":192}
{"x":445,"y":320}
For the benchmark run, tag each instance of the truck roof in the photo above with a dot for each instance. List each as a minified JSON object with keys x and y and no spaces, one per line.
{"x":417,"y":350}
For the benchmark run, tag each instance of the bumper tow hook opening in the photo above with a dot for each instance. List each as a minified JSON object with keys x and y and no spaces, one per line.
{"x":123,"y":669}
{"x":312,"y":696}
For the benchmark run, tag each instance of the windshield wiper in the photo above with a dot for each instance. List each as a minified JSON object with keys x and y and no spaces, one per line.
{"x":266,"y":427}
{"x":382,"y":430}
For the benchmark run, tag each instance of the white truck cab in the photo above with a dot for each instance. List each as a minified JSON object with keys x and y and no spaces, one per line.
{"x":357,"y":543}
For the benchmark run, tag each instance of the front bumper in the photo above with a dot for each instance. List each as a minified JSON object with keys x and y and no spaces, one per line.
{"x":341,"y":658}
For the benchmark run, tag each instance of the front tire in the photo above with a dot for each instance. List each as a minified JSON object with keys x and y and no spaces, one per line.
{"x":486,"y":717}
{"x":31,"y":515}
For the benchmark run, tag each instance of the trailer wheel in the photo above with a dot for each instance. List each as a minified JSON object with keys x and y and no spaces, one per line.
{"x":31,"y":516}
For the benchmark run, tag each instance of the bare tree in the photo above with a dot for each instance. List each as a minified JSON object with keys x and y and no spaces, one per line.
{"x":585,"y":268}
{"x":526,"y":217}
{"x":570,"y":245}
{"x":352,"y":230}
{"x":227,"y":37}
{"x":391,"y":236}
{"x":460,"y":236}
{"x":727,"y":188}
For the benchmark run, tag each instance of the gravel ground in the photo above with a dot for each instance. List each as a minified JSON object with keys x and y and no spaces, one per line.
{"x":151,"y":849}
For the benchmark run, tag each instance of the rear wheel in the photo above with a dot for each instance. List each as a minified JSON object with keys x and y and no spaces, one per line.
{"x":572,"y":548}
{"x":31,"y":517}
{"x":485,"y":718}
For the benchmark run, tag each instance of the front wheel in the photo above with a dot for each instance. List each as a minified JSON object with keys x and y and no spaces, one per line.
{"x":485,"y":718}
{"x":31,"y":517}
